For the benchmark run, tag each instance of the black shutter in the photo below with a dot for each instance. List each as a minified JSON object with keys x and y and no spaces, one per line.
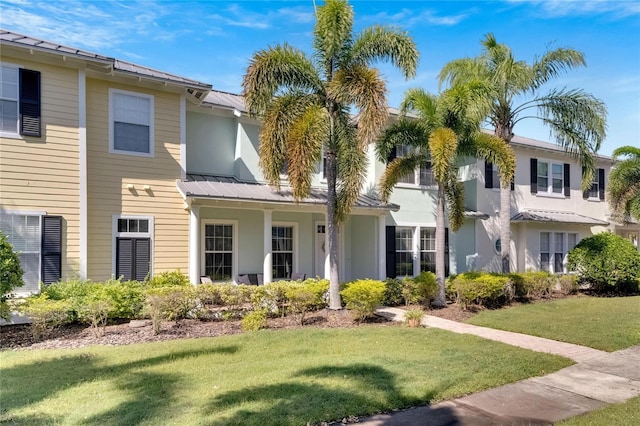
{"x":585,"y":194}
{"x":30,"y":103}
{"x":51,"y":249}
{"x":488,"y":175}
{"x":567,"y":181}
{"x":446,"y":251}
{"x":392,"y":155}
{"x":534,"y":176}
{"x":124,"y":258}
{"x":601,"y":183}
{"x":142,"y":247}
{"x":391,"y":251}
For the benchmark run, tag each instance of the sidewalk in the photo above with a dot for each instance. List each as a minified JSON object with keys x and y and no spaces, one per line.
{"x":599,"y":378}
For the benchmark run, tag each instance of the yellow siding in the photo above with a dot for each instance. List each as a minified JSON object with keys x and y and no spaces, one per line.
{"x":109,"y":175}
{"x":42,"y":174}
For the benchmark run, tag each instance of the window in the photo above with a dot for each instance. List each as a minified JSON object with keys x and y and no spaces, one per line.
{"x":554,"y":247}
{"x":19,"y":101}
{"x":133,"y":238}
{"x":428,"y":249}
{"x":404,"y":251}
{"x":422,"y":175}
{"x":596,"y":192}
{"x":548,"y":177}
{"x":218,"y":251}
{"x":23,"y":233}
{"x":131,"y":123}
{"x":282,"y":250}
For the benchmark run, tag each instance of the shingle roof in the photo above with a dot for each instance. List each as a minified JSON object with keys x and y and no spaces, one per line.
{"x":15,"y":39}
{"x":230,"y":188}
{"x":531,"y":215}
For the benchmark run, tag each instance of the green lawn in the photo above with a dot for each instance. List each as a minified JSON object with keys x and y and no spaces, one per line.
{"x":265,"y":378}
{"x":606,"y":323}
{"x":626,"y":413}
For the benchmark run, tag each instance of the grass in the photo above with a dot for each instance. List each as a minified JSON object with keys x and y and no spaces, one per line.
{"x":626,"y":413}
{"x":606,"y":323}
{"x":264,"y":378}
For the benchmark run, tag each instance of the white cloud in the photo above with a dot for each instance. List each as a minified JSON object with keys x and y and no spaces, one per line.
{"x":559,"y":8}
{"x":236,"y":16}
{"x":409,"y":18}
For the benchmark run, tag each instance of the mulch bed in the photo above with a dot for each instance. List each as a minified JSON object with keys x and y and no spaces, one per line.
{"x":80,"y":335}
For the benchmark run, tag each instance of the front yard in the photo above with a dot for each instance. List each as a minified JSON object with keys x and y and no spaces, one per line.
{"x":270,"y":377}
{"x":605,"y":323}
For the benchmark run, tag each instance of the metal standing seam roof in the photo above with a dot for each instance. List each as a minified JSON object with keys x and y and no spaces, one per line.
{"x":20,"y":40}
{"x":230,"y":188}
{"x":551,"y":216}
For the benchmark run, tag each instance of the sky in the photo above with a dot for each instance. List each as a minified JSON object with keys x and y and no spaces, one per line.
{"x":213,"y":41}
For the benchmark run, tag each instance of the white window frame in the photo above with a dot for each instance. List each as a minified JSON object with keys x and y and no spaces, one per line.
{"x":112,"y":149}
{"x":401,"y":151}
{"x":234,"y":254}
{"x":16,"y":134}
{"x":596,"y":181}
{"x":548,"y":191}
{"x":552,"y":249}
{"x":39,"y":214}
{"x":294,"y":236}
{"x":115,"y":235}
{"x":420,"y":251}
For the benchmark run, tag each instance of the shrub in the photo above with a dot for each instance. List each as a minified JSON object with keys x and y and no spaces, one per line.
{"x":126,"y":298}
{"x":490,"y":290}
{"x":413,"y":317}
{"x":534,"y":284}
{"x":175,"y":302}
{"x":96,"y":312}
{"x":320,"y":289}
{"x":254,"y":320}
{"x":301,"y":300}
{"x":363,"y":297}
{"x":209,"y":294}
{"x":234,"y":296}
{"x":45,"y":314}
{"x":272,"y":296}
{"x":168,"y":279}
{"x":606,"y":261}
{"x":567,"y":284}
{"x":426,"y":287}
{"x":10,"y":274}
{"x":393,"y":292}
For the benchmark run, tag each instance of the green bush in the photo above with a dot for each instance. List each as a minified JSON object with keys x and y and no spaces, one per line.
{"x":320,"y":289}
{"x":96,"y":312}
{"x":209,"y":294}
{"x":567,"y":284}
{"x":254,"y":320}
{"x":168,"y":279}
{"x":235,"y":296}
{"x":533,"y":284}
{"x":606,"y":261}
{"x":272,"y":296}
{"x":301,"y":299}
{"x":474,"y":288}
{"x":126,"y":298}
{"x":393,"y":292}
{"x":175,"y":302}
{"x":363,"y":297}
{"x":414,"y":316}
{"x":426,"y":287}
{"x":10,"y":274}
{"x":45,"y":314}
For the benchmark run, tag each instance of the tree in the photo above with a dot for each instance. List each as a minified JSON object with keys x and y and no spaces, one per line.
{"x":576,"y":119}
{"x":10,"y":274}
{"x":444,"y":129}
{"x":305,"y":105}
{"x":624,"y":184}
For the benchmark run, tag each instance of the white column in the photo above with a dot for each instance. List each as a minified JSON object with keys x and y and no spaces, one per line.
{"x":327,"y":263}
{"x":416,"y":250}
{"x":267,"y":266}
{"x":194,"y":245}
{"x":382,"y":247}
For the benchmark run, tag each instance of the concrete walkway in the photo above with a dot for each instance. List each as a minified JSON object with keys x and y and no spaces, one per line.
{"x":599,"y":378}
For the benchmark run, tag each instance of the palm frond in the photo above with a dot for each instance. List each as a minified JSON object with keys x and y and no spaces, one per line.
{"x":277,"y":68}
{"x":332,"y":33}
{"x":493,"y":149}
{"x":553,"y":62}
{"x":624,"y":187}
{"x":443,"y":146}
{"x":631,"y":151}
{"x":396,"y":170}
{"x":385,"y":43}
{"x":403,"y":132}
{"x":454,"y":193}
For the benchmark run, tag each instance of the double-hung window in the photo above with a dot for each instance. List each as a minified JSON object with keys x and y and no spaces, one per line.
{"x":428,"y":249}
{"x":404,"y":251}
{"x":548,"y":177}
{"x":23,"y":233}
{"x":219,"y":251}
{"x":422,"y":175}
{"x":282,"y":246}
{"x":406,"y":245}
{"x":554,"y":247}
{"x":131,"y":127}
{"x":19,"y":101}
{"x":597,"y":190}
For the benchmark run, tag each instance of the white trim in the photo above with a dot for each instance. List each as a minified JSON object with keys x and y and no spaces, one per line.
{"x":415,"y":249}
{"x":32,"y":213}
{"x":4,"y":211}
{"x":82,"y":154}
{"x":16,"y":134}
{"x":296,"y":247}
{"x":115,"y":234}
{"x":382,"y":247}
{"x":267,"y":253}
{"x":234,"y":255}
{"x":552,"y":251}
{"x":548,"y":192}
{"x":183,"y":137}
{"x":194,"y":246}
{"x":112,"y":150}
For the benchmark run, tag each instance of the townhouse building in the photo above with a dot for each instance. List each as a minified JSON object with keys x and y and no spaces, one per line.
{"x":109,"y":168}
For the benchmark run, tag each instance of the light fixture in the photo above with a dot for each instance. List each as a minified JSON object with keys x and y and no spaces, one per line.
{"x":147,"y":188}
{"x":236,"y":112}
{"x":130,"y":186}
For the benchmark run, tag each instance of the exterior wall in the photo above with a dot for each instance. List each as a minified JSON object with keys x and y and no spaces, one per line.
{"x":363,"y":248}
{"x":110,"y":174}
{"x":211,"y":143}
{"x":247,"y":152}
{"x":43,"y":174}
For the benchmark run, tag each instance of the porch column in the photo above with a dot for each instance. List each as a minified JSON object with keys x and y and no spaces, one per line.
{"x":267,"y":266}
{"x":327,"y":263}
{"x":194,"y":245}
{"x":382,"y":247}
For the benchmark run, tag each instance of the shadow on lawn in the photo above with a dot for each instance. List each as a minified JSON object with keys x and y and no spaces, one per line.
{"x":367,"y":389}
{"x":146,"y":393}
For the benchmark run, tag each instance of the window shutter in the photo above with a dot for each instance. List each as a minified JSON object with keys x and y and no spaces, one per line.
{"x":124,"y":258}
{"x":30,"y":103}
{"x":392,"y":155}
{"x":142,"y":250}
{"x":567,"y":182}
{"x":51,"y":249}
{"x":391,"y":251}
{"x":534,"y":176}
{"x":488,"y":175}
{"x":585,"y":194}
{"x":601,"y":183}
{"x":446,"y":251}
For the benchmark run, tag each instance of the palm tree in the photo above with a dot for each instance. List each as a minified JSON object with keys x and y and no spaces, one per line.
{"x":575,"y":118}
{"x":444,"y":129}
{"x":624,"y":184}
{"x":305,"y":103}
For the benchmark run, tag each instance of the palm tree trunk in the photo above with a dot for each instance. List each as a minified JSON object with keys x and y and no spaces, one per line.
{"x":334,"y":283}
{"x":440,"y":300}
